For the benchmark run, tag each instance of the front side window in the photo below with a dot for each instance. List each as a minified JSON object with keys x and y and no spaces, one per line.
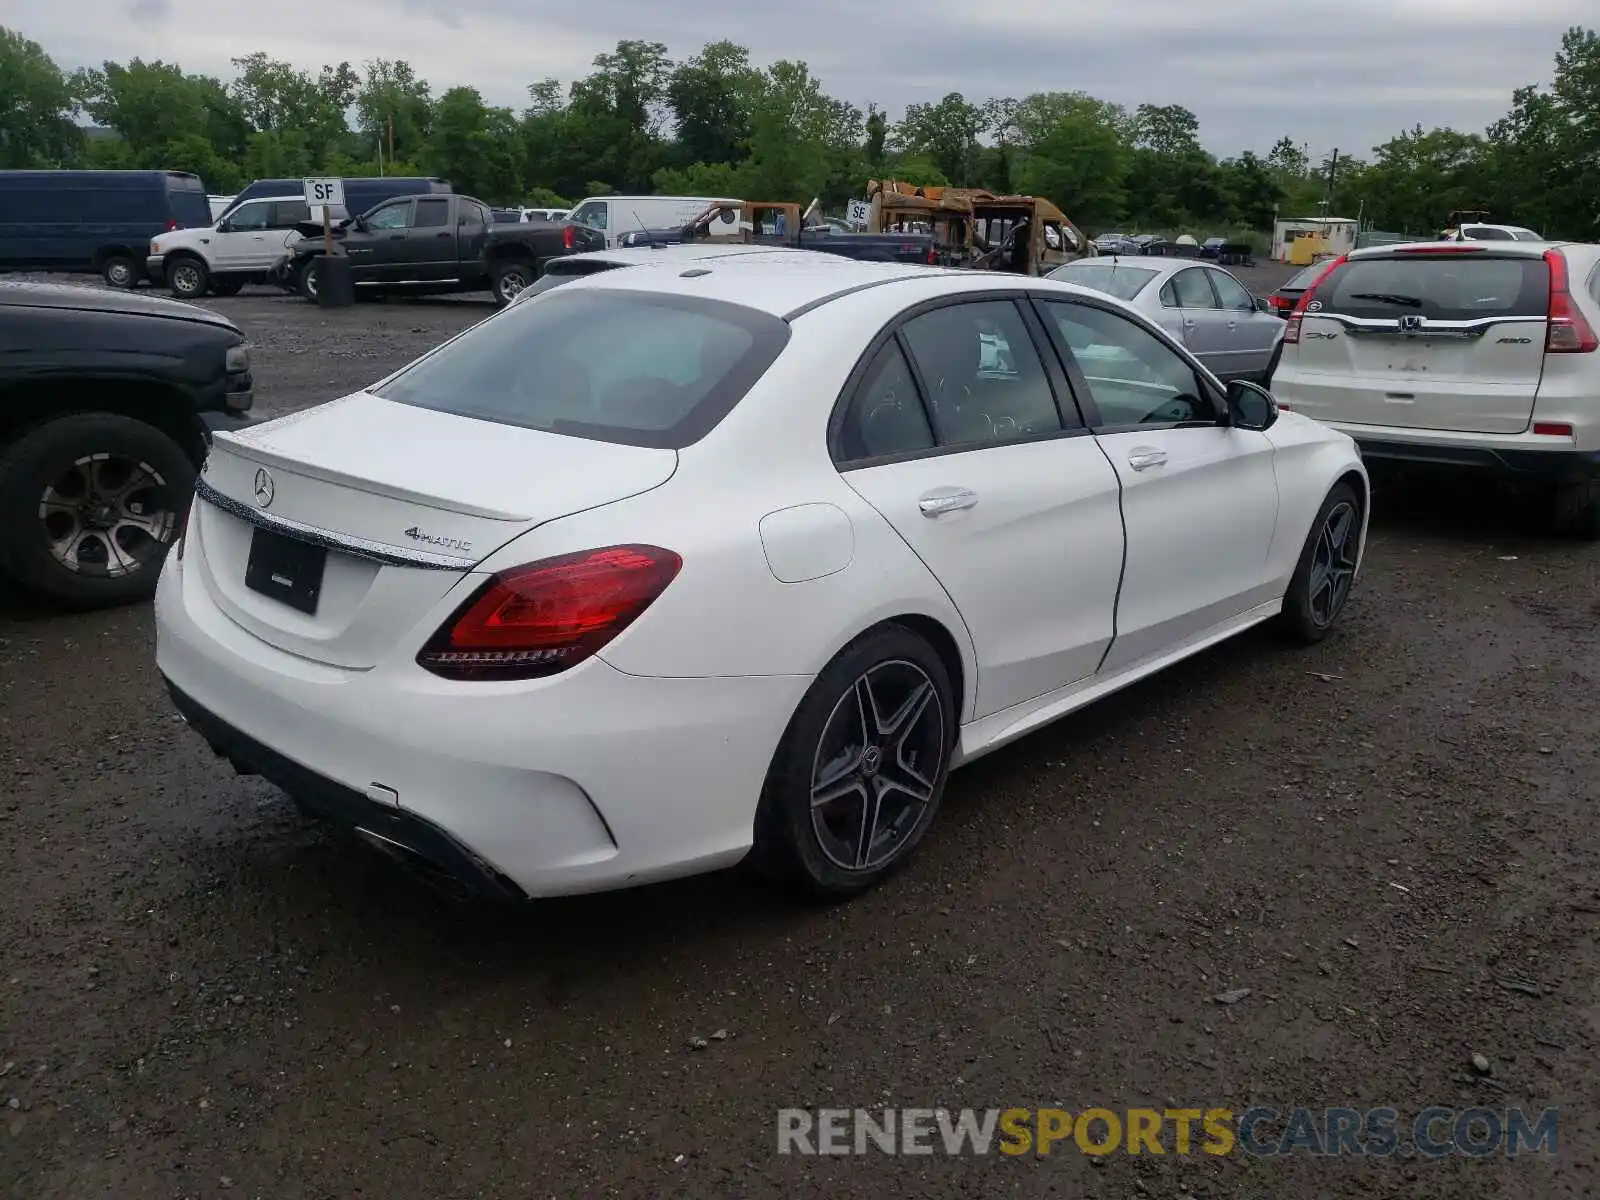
{"x":592,"y":215}
{"x":985,"y":380}
{"x":635,"y":368}
{"x":250,"y":217}
{"x":1134,"y":377}
{"x":390,"y":216}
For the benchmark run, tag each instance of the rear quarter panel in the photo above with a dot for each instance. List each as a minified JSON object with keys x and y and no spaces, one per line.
{"x":1309,"y":459}
{"x":727,"y":613}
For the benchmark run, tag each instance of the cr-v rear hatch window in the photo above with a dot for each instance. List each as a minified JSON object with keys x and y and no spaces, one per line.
{"x":1437,"y":287}
{"x":638,"y":368}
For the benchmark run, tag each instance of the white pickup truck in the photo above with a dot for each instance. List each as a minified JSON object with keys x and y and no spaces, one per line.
{"x":240,"y":248}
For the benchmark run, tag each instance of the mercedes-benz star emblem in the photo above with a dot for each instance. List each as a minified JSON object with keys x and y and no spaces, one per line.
{"x":264,"y":488}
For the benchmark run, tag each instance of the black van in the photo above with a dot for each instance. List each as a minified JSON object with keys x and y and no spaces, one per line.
{"x":359,"y":194}
{"x":93,"y":220}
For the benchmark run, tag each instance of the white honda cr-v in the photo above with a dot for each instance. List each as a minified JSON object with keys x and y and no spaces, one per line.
{"x":1474,"y":355}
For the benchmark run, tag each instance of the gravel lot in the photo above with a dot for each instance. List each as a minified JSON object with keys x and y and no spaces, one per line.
{"x":201,"y":995}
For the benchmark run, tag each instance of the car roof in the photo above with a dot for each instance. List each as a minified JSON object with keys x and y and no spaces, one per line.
{"x":1500,"y":248}
{"x":678,"y":252}
{"x":785,"y":285}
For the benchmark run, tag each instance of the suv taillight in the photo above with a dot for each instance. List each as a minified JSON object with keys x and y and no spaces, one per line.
{"x":568,"y":237}
{"x":550,"y":615}
{"x":1568,"y":331}
{"x":1291,"y":331}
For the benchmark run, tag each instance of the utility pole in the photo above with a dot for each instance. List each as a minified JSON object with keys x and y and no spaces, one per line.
{"x":1333,"y":174}
{"x":391,"y":139}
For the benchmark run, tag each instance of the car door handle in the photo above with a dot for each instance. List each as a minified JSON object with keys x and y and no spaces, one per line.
{"x":444,"y":235}
{"x":1188,"y":324}
{"x":1142,"y":458}
{"x":936,"y":504}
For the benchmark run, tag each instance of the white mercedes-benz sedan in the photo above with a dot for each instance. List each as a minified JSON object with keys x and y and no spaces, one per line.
{"x":670,"y":566}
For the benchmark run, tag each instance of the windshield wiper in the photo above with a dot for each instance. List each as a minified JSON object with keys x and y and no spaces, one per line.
{"x":1388,"y":298}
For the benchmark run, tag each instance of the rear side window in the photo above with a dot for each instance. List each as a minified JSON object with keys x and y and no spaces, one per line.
{"x":1444,"y":287}
{"x":886,"y":416}
{"x":431,"y":214}
{"x":637,"y":368}
{"x":286,"y":214}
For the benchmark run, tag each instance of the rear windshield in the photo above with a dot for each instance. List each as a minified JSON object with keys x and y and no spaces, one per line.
{"x":1122,"y":282}
{"x":1301,"y":280}
{"x":1446,"y":287}
{"x":565,"y":270}
{"x":190,"y":208}
{"x":638,"y":368}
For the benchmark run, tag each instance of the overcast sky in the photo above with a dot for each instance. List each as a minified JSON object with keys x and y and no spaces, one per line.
{"x":1346,"y":74}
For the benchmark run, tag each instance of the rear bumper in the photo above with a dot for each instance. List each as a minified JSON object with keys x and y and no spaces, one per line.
{"x":1549,"y":466}
{"x":391,"y":829}
{"x":155,"y":266}
{"x":588,"y":781}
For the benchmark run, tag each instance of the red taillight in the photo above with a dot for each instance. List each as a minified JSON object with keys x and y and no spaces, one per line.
{"x":1291,"y":331}
{"x":933,"y":256}
{"x":1552,"y":429}
{"x":568,"y":237}
{"x":550,"y":615}
{"x":172,"y":224}
{"x":1568,"y":331}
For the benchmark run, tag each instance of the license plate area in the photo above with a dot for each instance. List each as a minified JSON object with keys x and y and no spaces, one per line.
{"x":287,"y":569}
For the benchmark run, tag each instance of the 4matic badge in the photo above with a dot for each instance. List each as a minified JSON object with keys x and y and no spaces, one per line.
{"x":445,"y":543}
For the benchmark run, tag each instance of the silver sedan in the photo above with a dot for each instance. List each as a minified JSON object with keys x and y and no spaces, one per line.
{"x":1204,"y":307}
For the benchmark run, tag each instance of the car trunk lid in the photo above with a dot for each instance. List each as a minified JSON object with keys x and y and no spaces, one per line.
{"x":1435,"y":340}
{"x":331,"y":533}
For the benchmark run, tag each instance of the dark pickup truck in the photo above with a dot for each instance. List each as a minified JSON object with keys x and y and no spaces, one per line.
{"x":104,"y":399}
{"x":428,"y":244}
{"x":781,"y":224}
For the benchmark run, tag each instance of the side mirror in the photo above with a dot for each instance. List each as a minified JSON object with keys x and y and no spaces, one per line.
{"x":1262,"y":305}
{"x":1251,"y":406}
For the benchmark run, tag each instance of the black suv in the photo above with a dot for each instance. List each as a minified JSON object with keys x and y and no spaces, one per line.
{"x":101,"y":433}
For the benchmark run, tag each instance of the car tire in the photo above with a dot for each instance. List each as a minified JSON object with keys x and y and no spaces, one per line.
{"x":188,"y":277}
{"x":305,"y":281}
{"x":1320,"y":586}
{"x":509,"y":280}
{"x":876,"y":726}
{"x":117,"y":491}
{"x":226,"y":287}
{"x":1578,"y":511}
{"x":119,"y":271}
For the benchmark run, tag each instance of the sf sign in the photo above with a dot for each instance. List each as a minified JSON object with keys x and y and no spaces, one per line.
{"x":322,"y":193}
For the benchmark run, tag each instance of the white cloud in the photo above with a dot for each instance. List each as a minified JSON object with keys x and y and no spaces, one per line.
{"x":1347,"y":74}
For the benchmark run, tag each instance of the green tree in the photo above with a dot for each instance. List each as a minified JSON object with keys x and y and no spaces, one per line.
{"x":710,"y":97}
{"x":394,"y":109}
{"x":1077,"y":156}
{"x":36,"y":107}
{"x":278,"y":99}
{"x":945,"y":134}
{"x":477,"y":148}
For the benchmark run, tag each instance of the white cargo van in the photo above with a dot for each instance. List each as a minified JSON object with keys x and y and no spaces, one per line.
{"x":617,"y":215}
